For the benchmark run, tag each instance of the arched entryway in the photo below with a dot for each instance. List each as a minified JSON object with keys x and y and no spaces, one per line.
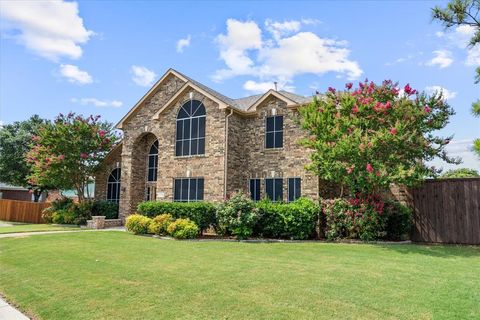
{"x":144,"y":168}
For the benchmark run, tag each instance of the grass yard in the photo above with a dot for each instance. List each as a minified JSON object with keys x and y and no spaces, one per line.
{"x":13,"y":227}
{"x":115,"y":275}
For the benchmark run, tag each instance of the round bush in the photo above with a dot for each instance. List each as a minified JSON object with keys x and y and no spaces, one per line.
{"x":237,"y":216}
{"x":183,"y":229}
{"x":160,"y":224}
{"x":137,"y":224}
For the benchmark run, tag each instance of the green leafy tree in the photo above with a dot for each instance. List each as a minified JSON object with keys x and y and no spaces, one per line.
{"x":15,"y":141}
{"x":67,"y":152}
{"x":463,"y":13}
{"x":460,"y":173}
{"x":373,"y":136}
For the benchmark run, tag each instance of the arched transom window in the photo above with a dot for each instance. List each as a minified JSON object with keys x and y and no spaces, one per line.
{"x":152,"y":162}
{"x":190,"y":136}
{"x":113,"y":185}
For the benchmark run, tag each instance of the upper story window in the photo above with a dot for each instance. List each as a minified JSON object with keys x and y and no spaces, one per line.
{"x":190,"y":136}
{"x":152,"y":162}
{"x":274,"y":132}
{"x":113,"y":185}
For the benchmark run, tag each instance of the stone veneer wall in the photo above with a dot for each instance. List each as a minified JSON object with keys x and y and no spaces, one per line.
{"x":251,"y":159}
{"x":140,"y":131}
{"x":247,"y":156}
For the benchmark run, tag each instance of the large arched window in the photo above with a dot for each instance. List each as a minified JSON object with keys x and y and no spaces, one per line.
{"x":152,"y":162}
{"x":113,"y":186}
{"x":190,"y":137}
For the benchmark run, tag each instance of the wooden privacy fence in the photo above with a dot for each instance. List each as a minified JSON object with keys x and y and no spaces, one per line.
{"x":447,"y":211}
{"x":22,"y":211}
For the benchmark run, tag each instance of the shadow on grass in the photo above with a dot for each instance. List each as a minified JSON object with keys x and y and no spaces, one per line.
{"x":436,"y":250}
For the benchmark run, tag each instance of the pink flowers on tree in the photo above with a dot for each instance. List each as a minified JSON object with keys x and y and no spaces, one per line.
{"x":357,"y":135}
{"x":68,"y":151}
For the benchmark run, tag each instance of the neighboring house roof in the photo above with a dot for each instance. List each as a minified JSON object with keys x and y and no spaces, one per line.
{"x":246,"y":104}
{"x":4,"y":186}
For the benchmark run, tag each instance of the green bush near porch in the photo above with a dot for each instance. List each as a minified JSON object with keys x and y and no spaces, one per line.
{"x":202,"y":213}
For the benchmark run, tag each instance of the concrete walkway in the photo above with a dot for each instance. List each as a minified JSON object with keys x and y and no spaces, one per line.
{"x":7,"y":312}
{"x":26,"y":234}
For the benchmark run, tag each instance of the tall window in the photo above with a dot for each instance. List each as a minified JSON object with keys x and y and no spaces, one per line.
{"x":274,"y":189}
{"x":294,"y":189}
{"x":113,"y":186}
{"x":190,"y":137}
{"x":152,"y":162}
{"x":255,"y":189}
{"x":188,"y":189}
{"x":274,"y":132}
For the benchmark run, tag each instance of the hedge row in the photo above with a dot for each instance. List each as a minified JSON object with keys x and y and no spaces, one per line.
{"x":365,"y":219}
{"x":202,"y":213}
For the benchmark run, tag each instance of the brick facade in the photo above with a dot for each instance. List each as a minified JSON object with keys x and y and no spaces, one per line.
{"x":233,"y":136}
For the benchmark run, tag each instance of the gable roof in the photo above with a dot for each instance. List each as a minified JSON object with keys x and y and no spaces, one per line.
{"x":243,"y":105}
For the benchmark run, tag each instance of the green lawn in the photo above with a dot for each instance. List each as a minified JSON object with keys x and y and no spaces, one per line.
{"x":116,"y":275}
{"x":13,"y":227}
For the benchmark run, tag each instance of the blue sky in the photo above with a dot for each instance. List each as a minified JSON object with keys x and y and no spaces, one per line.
{"x":101,"y":57}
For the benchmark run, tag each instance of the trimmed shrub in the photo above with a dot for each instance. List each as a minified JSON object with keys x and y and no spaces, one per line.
{"x":398,"y":221}
{"x":160,"y":224}
{"x":337,"y":219}
{"x":109,"y":209}
{"x":202,"y":213}
{"x":58,"y":216}
{"x":237,"y":216}
{"x":137,"y":224}
{"x":183,"y":229}
{"x":63,"y":204}
{"x":82,"y":212}
{"x":293,"y":220}
{"x":366,"y":219}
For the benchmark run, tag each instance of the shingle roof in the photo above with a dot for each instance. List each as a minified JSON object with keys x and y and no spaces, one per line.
{"x":245,"y":103}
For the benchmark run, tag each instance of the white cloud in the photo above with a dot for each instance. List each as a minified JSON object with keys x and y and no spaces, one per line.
{"x":283,"y":56}
{"x":460,"y":38}
{"x":183,"y":43}
{"x":442,"y":59}
{"x":240,"y":37}
{"x":279,"y":29}
{"x":262,"y":87}
{"x":51,"y":29}
{"x":462,"y":149}
{"x":97,"y":103}
{"x":74,"y":74}
{"x":473,"y":56}
{"x":447,"y":94}
{"x":143,"y":76}
{"x":439,"y":34}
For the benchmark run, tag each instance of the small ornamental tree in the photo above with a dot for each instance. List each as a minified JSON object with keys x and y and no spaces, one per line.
{"x":368,"y":137}
{"x":68,"y":152}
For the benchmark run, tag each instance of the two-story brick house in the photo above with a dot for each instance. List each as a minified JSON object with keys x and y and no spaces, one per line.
{"x":186,"y":142}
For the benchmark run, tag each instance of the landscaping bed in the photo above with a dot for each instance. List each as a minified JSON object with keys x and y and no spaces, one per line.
{"x":116,"y":275}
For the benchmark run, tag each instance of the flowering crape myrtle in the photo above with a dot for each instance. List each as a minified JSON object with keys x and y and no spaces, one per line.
{"x":68,"y":152}
{"x":368,"y":137}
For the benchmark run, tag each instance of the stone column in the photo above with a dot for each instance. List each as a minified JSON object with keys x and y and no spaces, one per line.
{"x":125,"y":184}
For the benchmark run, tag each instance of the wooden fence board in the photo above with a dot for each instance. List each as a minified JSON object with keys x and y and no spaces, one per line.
{"x":22,"y":211}
{"x":447,"y":211}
